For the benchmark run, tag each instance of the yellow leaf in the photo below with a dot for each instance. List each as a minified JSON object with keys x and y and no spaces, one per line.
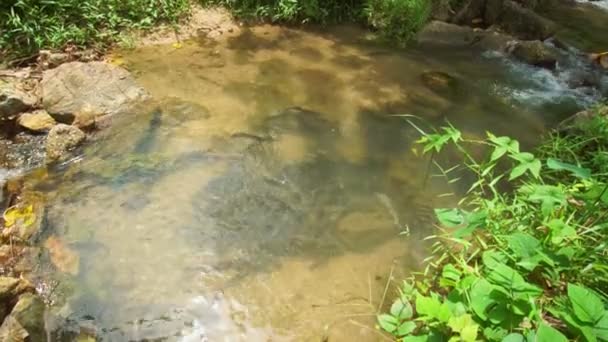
{"x":177,"y":45}
{"x":19,"y":214}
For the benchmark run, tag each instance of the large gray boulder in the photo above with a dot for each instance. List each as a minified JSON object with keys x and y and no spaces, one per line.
{"x":14,"y":100}
{"x":61,"y":140}
{"x":94,"y":87}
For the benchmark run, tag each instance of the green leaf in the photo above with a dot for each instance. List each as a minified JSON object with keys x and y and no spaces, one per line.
{"x":587,"y":306}
{"x":548,"y":195}
{"x":546,"y":333}
{"x":523,"y":245}
{"x":406,"y":328}
{"x":458,"y":323}
{"x":560,"y":231}
{"x":601,"y":328}
{"x":451,"y":273}
{"x":498,"y":152}
{"x":514,"y":337}
{"x":517,"y":171}
{"x":421,"y":338}
{"x":512,"y":281}
{"x":450,"y":217}
{"x":469,"y":333}
{"x":401,"y":309}
{"x":427,"y":306}
{"x":493,"y":257}
{"x":527,"y":161}
{"x":481,"y":299}
{"x":576,"y":171}
{"x":388,"y":322}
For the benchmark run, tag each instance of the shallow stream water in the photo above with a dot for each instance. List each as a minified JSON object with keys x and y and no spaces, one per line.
{"x":270,"y":191}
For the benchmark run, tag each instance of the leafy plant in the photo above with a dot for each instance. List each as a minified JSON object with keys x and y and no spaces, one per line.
{"x":29,"y":25}
{"x":524,"y":265}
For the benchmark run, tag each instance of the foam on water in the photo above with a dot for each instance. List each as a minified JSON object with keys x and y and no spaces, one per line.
{"x":534,"y":86}
{"x":603,"y":4}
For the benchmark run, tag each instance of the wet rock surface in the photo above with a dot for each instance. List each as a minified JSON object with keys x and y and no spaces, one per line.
{"x":61,"y":140}
{"x":535,"y":53}
{"x":36,"y":121}
{"x":14,"y":100}
{"x":100,"y":88}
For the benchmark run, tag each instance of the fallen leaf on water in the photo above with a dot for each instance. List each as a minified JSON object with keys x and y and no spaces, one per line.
{"x":23,"y":214}
{"x":65,"y":259}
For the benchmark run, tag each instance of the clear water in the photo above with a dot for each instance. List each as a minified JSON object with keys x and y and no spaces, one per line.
{"x":264,"y":194}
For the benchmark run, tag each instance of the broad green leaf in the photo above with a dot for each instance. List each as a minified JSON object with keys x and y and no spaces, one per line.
{"x":427,"y":306}
{"x":481,"y":300}
{"x":406,"y":328}
{"x":493,"y":257}
{"x":546,"y":333}
{"x":388,"y":322}
{"x":469,"y":333}
{"x":587,"y":306}
{"x":514,"y":337}
{"x":577,"y":171}
{"x":601,"y":328}
{"x":458,"y":323}
{"x":512,"y":281}
{"x":450,"y":217}
{"x":421,"y":338}
{"x":523,"y":245}
{"x":401,"y":309}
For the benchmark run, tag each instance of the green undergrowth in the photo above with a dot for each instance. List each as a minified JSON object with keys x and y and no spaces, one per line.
{"x":27,"y":26}
{"x":397,"y":20}
{"x":528,"y":264}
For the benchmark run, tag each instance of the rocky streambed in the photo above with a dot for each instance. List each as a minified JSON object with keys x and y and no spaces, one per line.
{"x":253,"y":153}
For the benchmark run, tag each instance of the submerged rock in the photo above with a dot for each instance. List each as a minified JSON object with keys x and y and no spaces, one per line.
{"x":29,"y":313}
{"x":61,"y":140}
{"x":75,"y":88}
{"x":36,"y":121}
{"x":14,"y":101}
{"x":440,"y":82}
{"x":535,"y":53}
{"x":25,"y":151}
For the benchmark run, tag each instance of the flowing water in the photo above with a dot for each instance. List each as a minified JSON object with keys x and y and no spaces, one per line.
{"x":270,"y":191}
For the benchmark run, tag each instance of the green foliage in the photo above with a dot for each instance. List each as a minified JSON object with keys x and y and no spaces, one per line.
{"x":29,"y":25}
{"x":397,"y":20}
{"x":293,"y":10}
{"x":528,"y":265}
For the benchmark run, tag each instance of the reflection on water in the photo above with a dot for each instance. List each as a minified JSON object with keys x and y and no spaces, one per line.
{"x":262,"y":197}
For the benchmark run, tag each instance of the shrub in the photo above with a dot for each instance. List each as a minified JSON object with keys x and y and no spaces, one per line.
{"x":398,"y":20}
{"x":528,"y":265}
{"x":29,"y":25}
{"x":395,"y":19}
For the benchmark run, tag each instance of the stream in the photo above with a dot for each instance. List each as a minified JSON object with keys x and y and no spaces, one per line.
{"x":270,"y":191}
